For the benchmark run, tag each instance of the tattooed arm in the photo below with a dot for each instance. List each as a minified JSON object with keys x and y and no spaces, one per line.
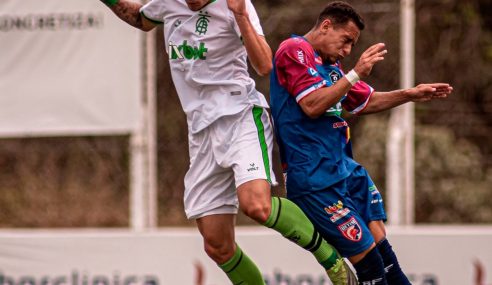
{"x":130,"y":13}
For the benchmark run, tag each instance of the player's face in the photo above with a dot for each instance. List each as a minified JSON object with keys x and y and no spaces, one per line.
{"x":196,"y":5}
{"x":337,"y":41}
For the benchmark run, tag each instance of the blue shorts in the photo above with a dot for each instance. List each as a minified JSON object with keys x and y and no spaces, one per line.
{"x":342,"y":212}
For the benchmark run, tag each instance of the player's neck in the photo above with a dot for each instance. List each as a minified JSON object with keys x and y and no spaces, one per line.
{"x":312,"y":38}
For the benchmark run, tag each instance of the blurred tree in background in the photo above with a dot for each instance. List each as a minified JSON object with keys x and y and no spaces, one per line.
{"x":83,"y":182}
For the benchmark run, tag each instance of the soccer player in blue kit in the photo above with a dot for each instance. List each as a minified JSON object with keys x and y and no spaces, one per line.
{"x":308,"y":91}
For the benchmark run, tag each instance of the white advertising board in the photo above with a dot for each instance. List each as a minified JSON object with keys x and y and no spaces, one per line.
{"x":430,"y":256}
{"x":67,"y":67}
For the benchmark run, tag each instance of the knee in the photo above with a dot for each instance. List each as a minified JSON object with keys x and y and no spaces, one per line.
{"x":358,"y":257}
{"x":254,"y":199}
{"x":220,"y":252}
{"x":258,"y":211}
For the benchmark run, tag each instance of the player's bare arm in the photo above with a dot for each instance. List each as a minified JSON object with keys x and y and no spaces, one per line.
{"x":130,"y":13}
{"x":381,"y":101}
{"x":259,"y":52}
{"x":369,"y":58}
{"x":322,"y":99}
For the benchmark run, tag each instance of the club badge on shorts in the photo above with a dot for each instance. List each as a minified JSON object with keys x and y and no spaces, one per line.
{"x":351,"y":230}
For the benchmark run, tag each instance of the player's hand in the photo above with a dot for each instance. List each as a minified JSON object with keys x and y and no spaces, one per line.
{"x":237,"y":7}
{"x":369,"y":58}
{"x":429,"y":91}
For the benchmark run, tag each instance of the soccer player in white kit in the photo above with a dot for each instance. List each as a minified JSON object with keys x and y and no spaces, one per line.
{"x":230,"y":136}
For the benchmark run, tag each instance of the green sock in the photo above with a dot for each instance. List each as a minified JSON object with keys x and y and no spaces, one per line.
{"x":289,"y":220}
{"x":241,"y":270}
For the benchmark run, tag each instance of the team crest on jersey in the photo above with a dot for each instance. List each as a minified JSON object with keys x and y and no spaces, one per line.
{"x":201,"y":26}
{"x":351,"y":230}
{"x":336,"y":211}
{"x":334,"y":76}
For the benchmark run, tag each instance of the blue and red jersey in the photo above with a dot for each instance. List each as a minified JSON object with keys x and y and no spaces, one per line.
{"x":315,"y":153}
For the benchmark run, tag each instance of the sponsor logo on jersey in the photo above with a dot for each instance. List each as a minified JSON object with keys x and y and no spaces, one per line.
{"x":312,"y":72}
{"x":351,"y":230}
{"x":334,"y":76}
{"x":201,"y":26}
{"x":186,"y":51}
{"x":337,"y":211}
{"x":376,"y":201}
{"x":334,"y":208}
{"x":300,"y":56}
{"x":375,"y":192}
{"x":340,"y":125}
{"x":177,"y":23}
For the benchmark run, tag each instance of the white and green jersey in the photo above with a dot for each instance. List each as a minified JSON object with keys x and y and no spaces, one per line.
{"x":207,"y":59}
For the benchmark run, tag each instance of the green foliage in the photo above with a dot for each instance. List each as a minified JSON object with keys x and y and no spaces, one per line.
{"x":452,"y":184}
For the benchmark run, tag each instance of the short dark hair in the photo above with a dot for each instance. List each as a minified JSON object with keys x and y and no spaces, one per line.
{"x":340,"y":13}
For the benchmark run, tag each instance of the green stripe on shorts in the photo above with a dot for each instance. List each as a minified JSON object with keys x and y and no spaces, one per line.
{"x":257,"y":112}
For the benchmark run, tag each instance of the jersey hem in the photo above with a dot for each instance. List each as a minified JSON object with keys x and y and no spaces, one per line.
{"x":310,"y":191}
{"x":213,"y":209}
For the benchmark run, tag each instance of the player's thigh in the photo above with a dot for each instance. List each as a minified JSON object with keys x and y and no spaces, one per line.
{"x":365,"y":196}
{"x":334,"y":216}
{"x":250,"y":155}
{"x":378,"y":232}
{"x":209,"y":188}
{"x":218,"y":236}
{"x":254,"y":195}
{"x":217,"y":230}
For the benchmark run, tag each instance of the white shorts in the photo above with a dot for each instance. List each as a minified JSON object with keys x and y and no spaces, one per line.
{"x":233,"y":150}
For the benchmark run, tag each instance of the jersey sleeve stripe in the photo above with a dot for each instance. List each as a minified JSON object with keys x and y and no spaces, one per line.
{"x":363,"y":106}
{"x":309,"y":90}
{"x":150,"y":19}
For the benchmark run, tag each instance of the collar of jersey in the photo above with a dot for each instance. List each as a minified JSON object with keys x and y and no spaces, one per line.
{"x":208,"y":3}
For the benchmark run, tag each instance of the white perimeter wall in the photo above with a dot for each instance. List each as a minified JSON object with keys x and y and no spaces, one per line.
{"x":67,"y":67}
{"x":429,"y":255}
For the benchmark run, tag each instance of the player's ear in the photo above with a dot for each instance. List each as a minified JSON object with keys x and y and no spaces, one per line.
{"x":325,"y":25}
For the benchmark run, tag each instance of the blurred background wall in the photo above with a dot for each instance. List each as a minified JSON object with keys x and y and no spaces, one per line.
{"x":84,"y":181}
